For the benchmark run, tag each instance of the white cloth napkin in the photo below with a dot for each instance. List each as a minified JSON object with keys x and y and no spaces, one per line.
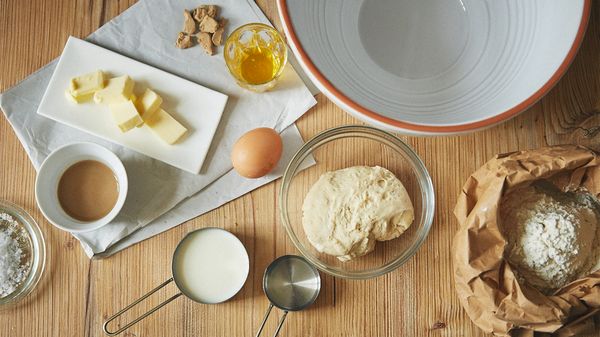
{"x":146,"y":32}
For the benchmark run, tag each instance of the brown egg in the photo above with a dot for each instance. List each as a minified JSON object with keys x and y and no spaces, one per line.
{"x":257,"y":152}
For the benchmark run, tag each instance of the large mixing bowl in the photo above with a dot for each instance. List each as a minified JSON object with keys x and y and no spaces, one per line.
{"x":344,"y":147}
{"x":430,"y":66}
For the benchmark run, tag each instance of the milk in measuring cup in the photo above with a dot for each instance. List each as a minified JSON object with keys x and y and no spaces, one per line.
{"x":211,"y":265}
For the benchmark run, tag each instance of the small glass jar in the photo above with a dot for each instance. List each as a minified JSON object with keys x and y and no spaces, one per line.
{"x":256,"y":55}
{"x":34,"y":249}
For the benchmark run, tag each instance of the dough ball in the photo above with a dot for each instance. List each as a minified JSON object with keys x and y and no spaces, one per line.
{"x":348,"y":210}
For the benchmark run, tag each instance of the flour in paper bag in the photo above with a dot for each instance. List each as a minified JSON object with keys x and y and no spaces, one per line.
{"x":551,"y":239}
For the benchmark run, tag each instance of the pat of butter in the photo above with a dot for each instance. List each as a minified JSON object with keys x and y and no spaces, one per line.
{"x":148,"y":104}
{"x":118,"y":89}
{"x":78,"y":99}
{"x":166,"y":127}
{"x":83,"y":87}
{"x":125,"y":115}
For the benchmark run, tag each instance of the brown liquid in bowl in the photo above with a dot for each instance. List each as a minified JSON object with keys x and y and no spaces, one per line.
{"x":88,"y":190}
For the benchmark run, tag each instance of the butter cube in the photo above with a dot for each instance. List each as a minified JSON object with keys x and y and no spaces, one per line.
{"x":125,"y":115}
{"x":78,"y":99}
{"x":166,"y":127}
{"x":118,"y":89}
{"x":83,"y":87}
{"x":148,"y":104}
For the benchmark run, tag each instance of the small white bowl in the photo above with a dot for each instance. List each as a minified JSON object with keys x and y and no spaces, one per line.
{"x":46,"y":184}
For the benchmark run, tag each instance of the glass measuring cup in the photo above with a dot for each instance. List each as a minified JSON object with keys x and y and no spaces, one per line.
{"x":255,"y":55}
{"x":211,"y":246}
{"x":291,"y":284}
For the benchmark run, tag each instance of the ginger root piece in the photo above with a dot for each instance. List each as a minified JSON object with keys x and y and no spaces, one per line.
{"x":205,"y":41}
{"x":208,"y":25}
{"x":189,"y":25}
{"x":217,"y":37}
{"x":202,"y":23}
{"x":212,"y":11}
{"x":199,"y":13}
{"x":184,"y":41}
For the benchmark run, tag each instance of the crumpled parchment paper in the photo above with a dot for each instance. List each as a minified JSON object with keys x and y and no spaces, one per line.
{"x":486,"y":285}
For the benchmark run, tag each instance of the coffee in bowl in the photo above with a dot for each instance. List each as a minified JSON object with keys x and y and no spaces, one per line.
{"x":88,"y":190}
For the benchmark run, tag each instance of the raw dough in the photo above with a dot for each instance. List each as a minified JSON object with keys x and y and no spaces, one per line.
{"x":347,"y":211}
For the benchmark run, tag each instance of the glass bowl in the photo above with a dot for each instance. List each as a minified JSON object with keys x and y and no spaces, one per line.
{"x":347,"y":146}
{"x":32,"y":243}
{"x":255,"y":55}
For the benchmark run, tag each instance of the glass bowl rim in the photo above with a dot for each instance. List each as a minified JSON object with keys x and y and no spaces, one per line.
{"x":348,"y":131}
{"x":38,"y":252}
{"x":244,"y":28}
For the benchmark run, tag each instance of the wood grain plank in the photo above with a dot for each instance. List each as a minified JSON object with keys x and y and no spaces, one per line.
{"x":77,"y":295}
{"x":572,"y":108}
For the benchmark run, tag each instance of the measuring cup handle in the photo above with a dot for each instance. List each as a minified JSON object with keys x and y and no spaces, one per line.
{"x":134,"y":303}
{"x":280,"y":323}
{"x":262,"y":325}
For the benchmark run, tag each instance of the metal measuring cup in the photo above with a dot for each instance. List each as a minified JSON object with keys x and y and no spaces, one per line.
{"x":291,"y":284}
{"x":178,"y":283}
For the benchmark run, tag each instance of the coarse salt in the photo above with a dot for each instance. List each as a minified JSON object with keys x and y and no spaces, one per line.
{"x":13,"y":270}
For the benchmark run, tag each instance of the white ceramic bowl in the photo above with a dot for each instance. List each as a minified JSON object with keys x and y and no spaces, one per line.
{"x":52,"y":169}
{"x":430,"y":66}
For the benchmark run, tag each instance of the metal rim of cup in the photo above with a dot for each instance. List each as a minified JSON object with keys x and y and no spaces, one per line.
{"x":173,"y":279}
{"x":274,"y":265}
{"x":177,"y":249}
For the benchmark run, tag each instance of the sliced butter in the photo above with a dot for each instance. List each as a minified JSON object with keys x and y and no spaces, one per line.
{"x":148,"y":104}
{"x":83,"y":87}
{"x":125,"y":115}
{"x":78,"y":99}
{"x":118,"y":89}
{"x":166,"y":127}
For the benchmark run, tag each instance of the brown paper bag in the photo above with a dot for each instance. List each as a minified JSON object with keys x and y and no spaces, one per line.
{"x":485,"y":283}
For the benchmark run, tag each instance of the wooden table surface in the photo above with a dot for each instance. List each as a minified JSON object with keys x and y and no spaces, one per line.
{"x":77,"y":294}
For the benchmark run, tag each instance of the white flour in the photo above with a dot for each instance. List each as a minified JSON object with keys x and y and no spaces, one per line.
{"x":550,"y":241}
{"x":13,"y":270}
